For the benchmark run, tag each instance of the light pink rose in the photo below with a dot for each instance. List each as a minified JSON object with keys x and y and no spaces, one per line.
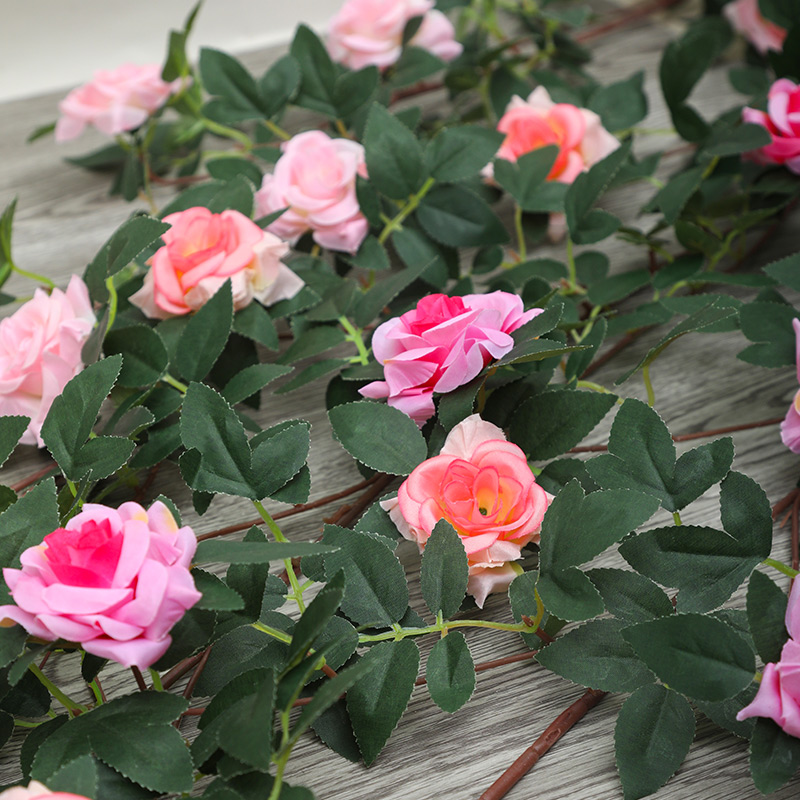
{"x":114,"y":580}
{"x":482,"y":485}
{"x":40,"y":352}
{"x":440,"y":345}
{"x":36,"y":791}
{"x":365,"y":32}
{"x":316,"y":178}
{"x":114,"y":100}
{"x":778,"y":694}
{"x":782,"y":120}
{"x":746,"y":18}
{"x":790,"y":427}
{"x":203,"y":250}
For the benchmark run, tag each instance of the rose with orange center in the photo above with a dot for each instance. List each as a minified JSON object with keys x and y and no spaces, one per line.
{"x":482,"y":485}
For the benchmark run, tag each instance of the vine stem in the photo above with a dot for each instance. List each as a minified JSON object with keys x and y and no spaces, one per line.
{"x":32,"y":275}
{"x":781,"y":567}
{"x":355,"y":335}
{"x":521,"y":246}
{"x":174,"y":383}
{"x":648,"y":385}
{"x":396,"y":223}
{"x":71,"y":705}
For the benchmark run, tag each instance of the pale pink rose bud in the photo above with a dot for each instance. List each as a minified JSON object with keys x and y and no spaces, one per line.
{"x":113,"y":580}
{"x":367,"y":32}
{"x":746,"y":19}
{"x":482,"y":485}
{"x":790,"y":427}
{"x":114,"y":100}
{"x":316,"y":178}
{"x":40,"y":352}
{"x":440,"y":345}
{"x":782,"y":120}
{"x":36,"y":791}
{"x":203,"y":250}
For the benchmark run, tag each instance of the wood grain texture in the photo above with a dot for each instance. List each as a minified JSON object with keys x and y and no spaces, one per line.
{"x":64,"y":215}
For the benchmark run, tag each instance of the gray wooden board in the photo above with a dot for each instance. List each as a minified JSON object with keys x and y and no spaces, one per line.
{"x":64,"y":215}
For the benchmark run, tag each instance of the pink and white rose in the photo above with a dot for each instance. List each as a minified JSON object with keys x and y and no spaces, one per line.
{"x":113,"y":580}
{"x":36,"y":791}
{"x":790,"y":427}
{"x":440,"y":345}
{"x":40,"y":352}
{"x":114,"y":101}
{"x":367,"y":32}
{"x":782,"y":120}
{"x":315,"y":178}
{"x":482,"y":485}
{"x":745,"y":18}
{"x":203,"y":250}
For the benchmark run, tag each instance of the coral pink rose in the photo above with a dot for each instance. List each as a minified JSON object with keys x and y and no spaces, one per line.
{"x":746,"y":18}
{"x":440,"y":345}
{"x":482,"y":485}
{"x":36,"y":791}
{"x":316,"y":178}
{"x":782,"y":120}
{"x":115,"y":581}
{"x":790,"y":427}
{"x":778,"y":694}
{"x":114,"y":100}
{"x":203,"y":250}
{"x":40,"y":352}
{"x":366,"y":32}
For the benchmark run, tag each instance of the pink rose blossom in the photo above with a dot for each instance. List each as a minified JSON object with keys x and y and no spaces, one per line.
{"x":482,"y":485}
{"x":790,"y":427}
{"x":36,"y":791}
{"x":115,"y":581}
{"x":440,"y":345}
{"x":746,"y":18}
{"x":782,"y":120}
{"x":40,"y":352}
{"x":778,"y":694}
{"x":316,"y":178}
{"x":114,"y":100}
{"x":365,"y":32}
{"x":203,"y":250}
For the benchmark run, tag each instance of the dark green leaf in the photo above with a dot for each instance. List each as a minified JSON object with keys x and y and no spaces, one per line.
{"x":620,"y":105}
{"x":205,"y":335}
{"x":774,"y":756}
{"x":252,"y":379}
{"x":457,"y":217}
{"x":255,"y":323}
{"x":279,"y":453}
{"x":217,"y":596}
{"x":130,"y":240}
{"x":256,"y":552}
{"x":12,"y":643}
{"x":353,"y":90}
{"x":144,"y":356}
{"x":279,"y":84}
{"x":226,"y":78}
{"x":316,"y":617}
{"x":78,"y":776}
{"x":630,"y":596}
{"x":11,"y":429}
{"x":766,"y":612}
{"x":245,"y":730}
{"x":738,"y":140}
{"x":523,"y":178}
{"x":444,"y":571}
{"x":461,"y":152}
{"x":317,"y":70}
{"x":28,"y":521}
{"x":450,"y":672}
{"x":312,"y":342}
{"x":611,"y":290}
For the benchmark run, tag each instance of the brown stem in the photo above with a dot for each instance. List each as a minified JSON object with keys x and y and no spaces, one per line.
{"x":193,"y":712}
{"x":329,"y":671}
{"x":624,"y":18}
{"x":137,"y":673}
{"x":482,"y":667}
{"x":554,"y":731}
{"x":179,"y":670}
{"x":141,"y":492}
{"x":189,"y":690}
{"x":381,"y":482}
{"x":31,"y":479}
{"x":625,"y":341}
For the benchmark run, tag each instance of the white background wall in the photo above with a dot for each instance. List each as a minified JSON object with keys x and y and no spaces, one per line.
{"x":48,"y":45}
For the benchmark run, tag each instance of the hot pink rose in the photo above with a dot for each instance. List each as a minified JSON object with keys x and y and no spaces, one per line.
{"x":203,"y":250}
{"x":782,"y":120}
{"x":115,"y":581}
{"x":746,"y":18}
{"x":114,"y":100}
{"x":440,"y":345}
{"x":36,"y":791}
{"x":778,"y":694}
{"x":790,"y":427}
{"x":482,"y":485}
{"x":366,"y":32}
{"x":40,"y":352}
{"x":316,"y":178}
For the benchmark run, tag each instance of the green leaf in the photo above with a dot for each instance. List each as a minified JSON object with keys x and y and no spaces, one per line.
{"x":256,"y":552}
{"x":317,"y":70}
{"x":204,"y":337}
{"x":378,"y":699}
{"x":630,"y":596}
{"x":579,"y":362}
{"x":379,"y":436}
{"x":552,"y":422}
{"x":76,"y":776}
{"x":450,"y":672}
{"x":445,"y":571}
{"x":279,"y":453}
{"x":225,"y":77}
{"x":740,"y":139}
{"x":28,"y":521}
{"x":375,"y":584}
{"x":316,"y":617}
{"x":227,"y":169}
{"x":279,"y":84}
{"x":746,"y":513}
{"x":611,"y":290}
{"x":620,"y":105}
{"x":524,"y":178}
{"x":654,"y":731}
{"x":12,"y":643}
{"x":596,"y":655}
{"x":144,"y":356}
{"x":413,"y":65}
{"x":457,"y":217}
{"x":696,"y":655}
{"x":393,"y":154}
{"x":217,"y":596}
{"x":766,"y":613}
{"x":354,"y":89}
{"x":252,"y":379}
{"x":131,"y":239}
{"x":245,"y":731}
{"x":11,"y":430}
{"x":774,"y":756}
{"x":312,"y":342}
{"x":455,"y":406}
{"x":254,"y":322}
{"x":461,"y":152}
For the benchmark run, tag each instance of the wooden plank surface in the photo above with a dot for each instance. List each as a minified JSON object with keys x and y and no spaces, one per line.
{"x":64,"y":215}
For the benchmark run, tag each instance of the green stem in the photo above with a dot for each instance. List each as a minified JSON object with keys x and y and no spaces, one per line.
{"x":573,"y":272}
{"x":112,"y":301}
{"x":27,"y":724}
{"x":276,"y":130}
{"x":229,"y":133}
{"x":62,"y":698}
{"x":276,"y":787}
{"x":781,"y":567}
{"x":355,"y":335}
{"x":32,"y":275}
{"x":273,"y":632}
{"x":651,"y":397}
{"x":523,"y":250}
{"x":396,"y":223}
{"x":677,"y":517}
{"x":176,"y":384}
{"x":595,"y":387}
{"x":96,"y":692}
{"x":157,"y":685}
{"x":401,"y":633}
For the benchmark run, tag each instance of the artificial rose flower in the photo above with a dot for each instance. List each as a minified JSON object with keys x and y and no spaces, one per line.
{"x":778,"y":694}
{"x":40,"y":352}
{"x":203,"y":250}
{"x":316,"y":178}
{"x":114,"y":580}
{"x":114,"y":100}
{"x":440,"y":345}
{"x":366,"y":32}
{"x":36,"y":791}
{"x":482,"y":485}
{"x":782,"y":120}
{"x":790,"y":427}
{"x":746,"y":19}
